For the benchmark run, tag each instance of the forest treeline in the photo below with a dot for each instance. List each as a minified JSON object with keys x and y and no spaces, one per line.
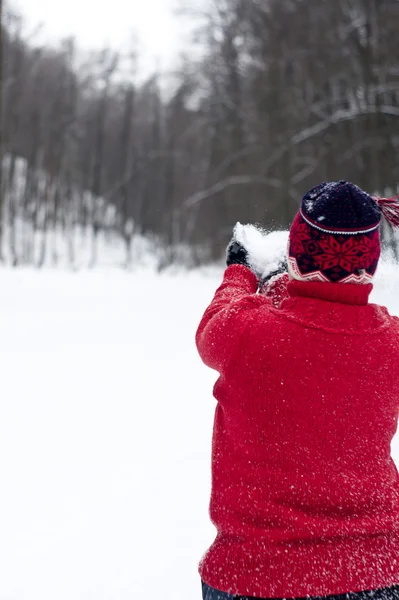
{"x":282,"y":95}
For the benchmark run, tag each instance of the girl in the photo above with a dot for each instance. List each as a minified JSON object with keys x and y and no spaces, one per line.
{"x":305,"y":494}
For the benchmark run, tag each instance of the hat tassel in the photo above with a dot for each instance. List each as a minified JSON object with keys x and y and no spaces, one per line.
{"x":390,"y":209}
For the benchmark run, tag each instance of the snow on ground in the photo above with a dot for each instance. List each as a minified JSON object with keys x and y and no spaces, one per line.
{"x":105,"y":433}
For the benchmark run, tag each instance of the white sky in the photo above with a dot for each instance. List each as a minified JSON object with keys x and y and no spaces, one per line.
{"x":162,"y":35}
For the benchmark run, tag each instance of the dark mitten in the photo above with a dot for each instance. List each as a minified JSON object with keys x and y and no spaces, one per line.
{"x":236,"y":254}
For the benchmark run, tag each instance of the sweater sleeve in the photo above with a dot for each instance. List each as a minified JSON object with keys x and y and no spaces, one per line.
{"x":225,"y":317}
{"x":276,"y":289}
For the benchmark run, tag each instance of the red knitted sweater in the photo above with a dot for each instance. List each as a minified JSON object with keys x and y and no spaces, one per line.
{"x":305,"y":494}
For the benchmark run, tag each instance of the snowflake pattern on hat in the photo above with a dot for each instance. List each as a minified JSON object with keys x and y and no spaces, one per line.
{"x":319,"y":256}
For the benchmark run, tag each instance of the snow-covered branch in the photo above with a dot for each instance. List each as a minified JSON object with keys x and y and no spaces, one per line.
{"x":229,"y":182}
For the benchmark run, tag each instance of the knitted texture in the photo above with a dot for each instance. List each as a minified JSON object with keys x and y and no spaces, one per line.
{"x":276,"y":289}
{"x":305,"y":494}
{"x":335,"y":235}
{"x":318,"y":256}
{"x":341,"y":207}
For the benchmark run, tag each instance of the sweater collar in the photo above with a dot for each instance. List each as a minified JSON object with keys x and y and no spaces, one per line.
{"x":343,"y":293}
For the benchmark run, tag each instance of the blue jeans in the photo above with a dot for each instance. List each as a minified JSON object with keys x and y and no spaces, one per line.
{"x":390,"y":593}
{"x":209,"y":593}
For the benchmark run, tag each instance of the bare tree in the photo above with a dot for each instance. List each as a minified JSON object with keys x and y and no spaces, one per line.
{"x":255,"y":118}
{"x":107,"y":64}
{"x":1,"y":129}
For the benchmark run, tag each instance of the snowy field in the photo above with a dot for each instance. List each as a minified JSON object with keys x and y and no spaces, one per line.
{"x":105,"y":433}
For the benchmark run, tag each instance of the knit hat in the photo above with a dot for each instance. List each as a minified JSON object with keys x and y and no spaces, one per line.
{"x":335,"y":237}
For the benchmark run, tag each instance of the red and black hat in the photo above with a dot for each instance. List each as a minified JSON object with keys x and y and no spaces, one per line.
{"x":335,"y":237}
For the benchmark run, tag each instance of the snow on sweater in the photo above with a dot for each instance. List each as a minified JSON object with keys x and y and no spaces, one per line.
{"x":305,"y":494}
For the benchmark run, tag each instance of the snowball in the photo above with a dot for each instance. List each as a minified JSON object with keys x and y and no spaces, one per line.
{"x":266,"y":251}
